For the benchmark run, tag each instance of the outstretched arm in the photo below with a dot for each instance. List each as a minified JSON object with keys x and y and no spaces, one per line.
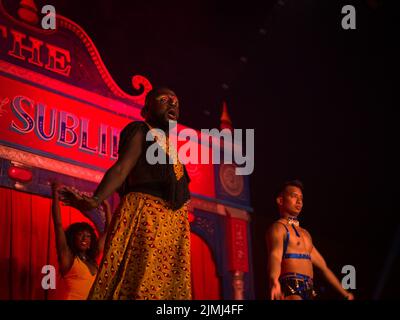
{"x":113,"y":178}
{"x":275,"y":236}
{"x":117,"y":174}
{"x":319,"y":262}
{"x":64,"y":255}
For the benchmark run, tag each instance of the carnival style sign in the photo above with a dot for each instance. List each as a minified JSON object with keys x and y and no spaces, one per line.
{"x":61,"y":114}
{"x":47,"y":103}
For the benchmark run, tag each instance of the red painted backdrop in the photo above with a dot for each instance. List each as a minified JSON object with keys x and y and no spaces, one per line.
{"x":27,"y":244}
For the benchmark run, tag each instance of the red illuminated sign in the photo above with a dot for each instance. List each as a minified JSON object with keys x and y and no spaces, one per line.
{"x":33,"y":50}
{"x":59,"y":126}
{"x":66,"y":120}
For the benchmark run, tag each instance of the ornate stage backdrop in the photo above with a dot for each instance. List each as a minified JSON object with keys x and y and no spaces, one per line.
{"x":60,"y":118}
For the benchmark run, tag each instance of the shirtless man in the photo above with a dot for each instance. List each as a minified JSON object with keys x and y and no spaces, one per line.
{"x":292,"y":254}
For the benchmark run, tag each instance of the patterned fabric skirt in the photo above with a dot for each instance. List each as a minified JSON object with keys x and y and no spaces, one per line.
{"x":147,"y":252}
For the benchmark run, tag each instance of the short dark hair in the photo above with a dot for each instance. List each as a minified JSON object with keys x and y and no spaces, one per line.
{"x":153,"y":92}
{"x":289,"y":183}
{"x":150,"y":95}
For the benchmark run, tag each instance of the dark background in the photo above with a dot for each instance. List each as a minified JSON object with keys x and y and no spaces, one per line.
{"x":320,"y":98}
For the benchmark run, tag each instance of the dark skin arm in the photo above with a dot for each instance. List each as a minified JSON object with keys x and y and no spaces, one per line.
{"x":103,"y":235}
{"x":111,"y":181}
{"x":274,"y":238}
{"x":64,"y":254}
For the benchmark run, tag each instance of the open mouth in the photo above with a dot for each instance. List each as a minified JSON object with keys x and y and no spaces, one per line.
{"x":172,"y":115}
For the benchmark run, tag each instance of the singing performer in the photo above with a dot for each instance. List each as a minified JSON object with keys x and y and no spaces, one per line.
{"x":147,"y":250}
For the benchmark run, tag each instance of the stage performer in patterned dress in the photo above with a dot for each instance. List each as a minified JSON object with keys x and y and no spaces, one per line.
{"x":147,"y":250}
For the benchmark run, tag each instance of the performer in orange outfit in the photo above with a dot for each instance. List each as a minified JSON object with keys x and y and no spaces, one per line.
{"x":77,"y":250}
{"x":147,"y":251}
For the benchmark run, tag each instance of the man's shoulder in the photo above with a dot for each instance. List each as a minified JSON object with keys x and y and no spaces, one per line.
{"x":132,"y":129}
{"x":133,"y":126}
{"x":306,"y":231}
{"x":276,"y":227}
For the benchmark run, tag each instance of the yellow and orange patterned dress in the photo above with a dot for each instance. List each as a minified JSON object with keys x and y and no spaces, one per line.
{"x":147,"y":251}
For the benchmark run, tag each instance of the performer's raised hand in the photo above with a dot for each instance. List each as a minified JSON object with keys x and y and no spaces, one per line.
{"x":71,"y":197}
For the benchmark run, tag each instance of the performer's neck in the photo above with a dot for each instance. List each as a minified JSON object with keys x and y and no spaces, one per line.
{"x":288,"y":216}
